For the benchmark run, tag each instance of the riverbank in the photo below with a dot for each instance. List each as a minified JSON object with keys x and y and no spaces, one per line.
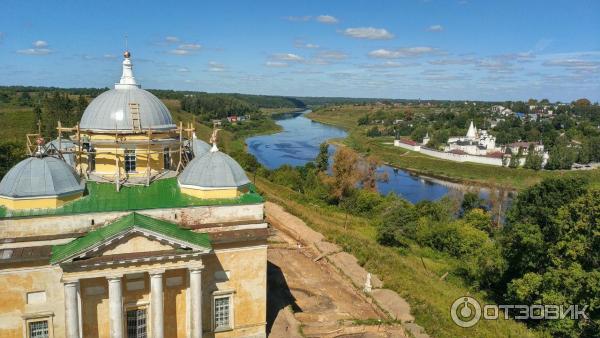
{"x":468,"y":174}
{"x":427,"y":279}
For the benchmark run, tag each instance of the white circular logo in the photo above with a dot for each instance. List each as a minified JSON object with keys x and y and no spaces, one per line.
{"x":465,"y":311}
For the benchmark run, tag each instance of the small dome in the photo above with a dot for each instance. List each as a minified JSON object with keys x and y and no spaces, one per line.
{"x":200,"y":147}
{"x":213,"y":170}
{"x":39,"y":177}
{"x":65,"y":145}
{"x":111,"y":110}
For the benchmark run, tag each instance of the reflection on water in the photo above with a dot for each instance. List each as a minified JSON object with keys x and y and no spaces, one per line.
{"x":299,"y":142}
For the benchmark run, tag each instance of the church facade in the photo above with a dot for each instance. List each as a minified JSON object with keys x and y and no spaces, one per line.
{"x":146,"y":232}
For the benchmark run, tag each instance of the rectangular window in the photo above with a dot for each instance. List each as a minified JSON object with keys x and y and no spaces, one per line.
{"x":38,"y":329}
{"x":129,"y":160}
{"x":136,"y":323}
{"x":222,"y":312}
{"x":167,"y":158}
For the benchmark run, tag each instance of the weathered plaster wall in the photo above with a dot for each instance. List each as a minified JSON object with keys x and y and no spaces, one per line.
{"x":64,"y":224}
{"x":14,"y":286}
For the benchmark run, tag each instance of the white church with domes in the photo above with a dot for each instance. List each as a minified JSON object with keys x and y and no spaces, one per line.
{"x":475,"y":142}
{"x":128,"y":225}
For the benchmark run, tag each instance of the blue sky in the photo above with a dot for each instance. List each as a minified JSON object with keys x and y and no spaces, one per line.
{"x":429,"y":49}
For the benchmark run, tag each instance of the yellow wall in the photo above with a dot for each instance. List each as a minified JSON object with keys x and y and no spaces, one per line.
{"x":13,"y":300}
{"x":247,"y":269}
{"x":105,"y":154}
{"x":38,"y":203}
{"x":212,"y":194}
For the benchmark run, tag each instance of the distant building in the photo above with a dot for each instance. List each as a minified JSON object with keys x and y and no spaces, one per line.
{"x":476,"y":142}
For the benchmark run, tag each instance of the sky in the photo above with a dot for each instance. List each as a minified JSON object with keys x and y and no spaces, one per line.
{"x":404,"y":49}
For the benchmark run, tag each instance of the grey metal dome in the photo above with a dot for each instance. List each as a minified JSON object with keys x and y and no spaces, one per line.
{"x":39,"y":177}
{"x":111,"y":110}
{"x":200,"y":147}
{"x":213,"y":170}
{"x":65,"y":145}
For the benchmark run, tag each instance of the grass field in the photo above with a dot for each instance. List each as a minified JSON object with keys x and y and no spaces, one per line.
{"x":468,"y":173}
{"x":16,"y":122}
{"x":415,"y":273}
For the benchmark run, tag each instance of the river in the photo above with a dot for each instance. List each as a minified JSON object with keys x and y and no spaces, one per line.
{"x":298,"y":143}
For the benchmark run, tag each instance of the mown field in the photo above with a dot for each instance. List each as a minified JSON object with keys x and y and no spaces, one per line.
{"x":468,"y":173}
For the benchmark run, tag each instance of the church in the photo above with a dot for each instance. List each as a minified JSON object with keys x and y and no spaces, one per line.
{"x":128,"y":225}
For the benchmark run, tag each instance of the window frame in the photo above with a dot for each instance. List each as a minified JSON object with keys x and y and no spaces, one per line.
{"x":127,"y":160}
{"x":42,"y":317}
{"x":146,"y":319}
{"x":221,"y":295}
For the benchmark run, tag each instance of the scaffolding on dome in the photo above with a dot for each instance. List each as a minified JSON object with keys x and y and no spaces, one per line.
{"x":84,"y":146}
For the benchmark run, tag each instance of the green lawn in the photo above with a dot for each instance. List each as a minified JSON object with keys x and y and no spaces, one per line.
{"x":468,"y":173}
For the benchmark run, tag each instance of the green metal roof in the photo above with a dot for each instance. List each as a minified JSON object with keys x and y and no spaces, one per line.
{"x":125,"y":223}
{"x":102,"y":197}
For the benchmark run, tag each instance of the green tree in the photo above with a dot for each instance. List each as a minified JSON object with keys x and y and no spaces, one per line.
{"x":322,"y":160}
{"x":534,"y":159}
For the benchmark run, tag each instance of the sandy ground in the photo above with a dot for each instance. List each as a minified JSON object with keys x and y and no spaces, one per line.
{"x":312,"y":297}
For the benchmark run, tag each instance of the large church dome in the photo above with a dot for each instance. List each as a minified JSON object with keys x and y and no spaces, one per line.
{"x":126,"y":108}
{"x":112,"y":110}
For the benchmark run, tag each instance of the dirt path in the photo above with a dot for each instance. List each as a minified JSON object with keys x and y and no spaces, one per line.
{"x":324,"y":287}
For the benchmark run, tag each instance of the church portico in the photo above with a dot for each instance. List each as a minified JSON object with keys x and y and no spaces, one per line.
{"x":140,"y":303}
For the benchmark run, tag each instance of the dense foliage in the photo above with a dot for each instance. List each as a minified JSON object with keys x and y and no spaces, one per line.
{"x":547,"y":253}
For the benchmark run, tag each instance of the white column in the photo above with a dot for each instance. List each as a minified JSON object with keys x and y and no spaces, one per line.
{"x":71,"y":309}
{"x":156,"y":304}
{"x":196,"y":302}
{"x":115,"y":307}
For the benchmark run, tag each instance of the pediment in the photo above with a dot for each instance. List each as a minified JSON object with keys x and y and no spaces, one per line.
{"x":135,"y":243}
{"x":132,"y":236}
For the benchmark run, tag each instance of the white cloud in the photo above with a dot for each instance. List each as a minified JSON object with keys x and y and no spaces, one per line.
{"x":299,"y":43}
{"x":180,"y":52}
{"x":172,"y":39}
{"x":435,"y":28}
{"x":276,"y":64}
{"x":368,"y":33}
{"x":402,"y":52}
{"x":40,"y":44}
{"x":190,"y":46}
{"x":390,"y":64}
{"x":185,"y":49}
{"x":39,"y":48}
{"x":183,"y":70}
{"x":328,"y":19}
{"x":288,"y":57}
{"x":214,"y":66}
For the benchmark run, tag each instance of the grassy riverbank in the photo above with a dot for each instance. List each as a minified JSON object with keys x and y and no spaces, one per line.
{"x":415,"y":273}
{"x":467,"y":173}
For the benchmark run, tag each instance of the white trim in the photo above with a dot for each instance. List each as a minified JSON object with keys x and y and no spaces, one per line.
{"x":195,"y":187}
{"x":41,"y":196}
